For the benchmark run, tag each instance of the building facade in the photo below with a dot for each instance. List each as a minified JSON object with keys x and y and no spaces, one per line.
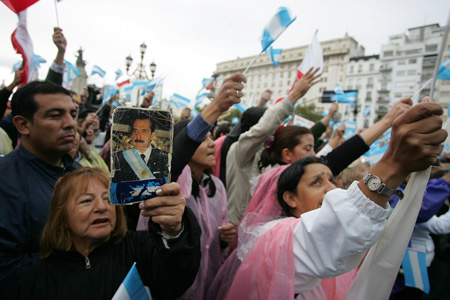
{"x":407,"y":63}
{"x":264,"y":75}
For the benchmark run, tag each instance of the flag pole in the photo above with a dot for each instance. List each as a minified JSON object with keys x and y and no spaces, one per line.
{"x":438,"y":61}
{"x":57,"y":18}
{"x":251,"y":63}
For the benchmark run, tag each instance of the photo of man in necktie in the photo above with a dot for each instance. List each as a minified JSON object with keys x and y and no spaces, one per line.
{"x":143,"y":160}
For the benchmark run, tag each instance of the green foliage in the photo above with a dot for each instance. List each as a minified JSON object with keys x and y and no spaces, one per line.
{"x":230,"y":114}
{"x":308,"y":112}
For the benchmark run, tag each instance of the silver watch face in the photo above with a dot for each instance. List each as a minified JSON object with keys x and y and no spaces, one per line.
{"x":373,"y":183}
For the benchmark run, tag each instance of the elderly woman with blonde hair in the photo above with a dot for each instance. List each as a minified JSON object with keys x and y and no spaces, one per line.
{"x":86,"y":250}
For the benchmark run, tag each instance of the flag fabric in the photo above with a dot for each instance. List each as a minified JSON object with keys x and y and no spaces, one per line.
{"x":179,"y":100}
{"x":276,"y":26}
{"x":120,"y":84}
{"x":303,"y":122}
{"x":38,"y":60}
{"x":208,"y":83}
{"x":235,"y":120}
{"x":132,"y":287}
{"x":367,"y":111}
{"x":313,"y":58}
{"x":70,"y":72}
{"x":16,"y":66}
{"x":252,"y":100}
{"x":152,"y":84}
{"x":23,"y":45}
{"x":109,"y":92}
{"x":202,"y":99}
{"x":240,"y":106}
{"x":118,"y":73}
{"x":18,"y":5}
{"x":274,"y":55}
{"x":444,"y":70}
{"x":377,"y":274}
{"x":97,"y":70}
{"x":349,"y":97}
{"x":338,"y":89}
{"x":415,"y":270}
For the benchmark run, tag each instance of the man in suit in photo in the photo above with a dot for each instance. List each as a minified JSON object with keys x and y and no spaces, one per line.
{"x":142,"y":161}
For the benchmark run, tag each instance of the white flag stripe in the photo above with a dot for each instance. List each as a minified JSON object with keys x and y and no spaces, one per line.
{"x":413,"y":258}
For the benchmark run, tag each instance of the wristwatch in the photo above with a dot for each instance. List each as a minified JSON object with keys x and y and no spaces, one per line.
{"x":375,"y":184}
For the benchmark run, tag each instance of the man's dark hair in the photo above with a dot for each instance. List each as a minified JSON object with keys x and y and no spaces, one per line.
{"x":152,"y":124}
{"x":24,"y":103}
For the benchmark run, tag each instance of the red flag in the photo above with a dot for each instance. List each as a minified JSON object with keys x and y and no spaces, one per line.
{"x":18,"y":5}
{"x":123,"y":82}
{"x":23,"y":45}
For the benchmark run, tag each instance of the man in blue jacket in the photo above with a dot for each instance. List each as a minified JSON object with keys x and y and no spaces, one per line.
{"x":43,"y":114}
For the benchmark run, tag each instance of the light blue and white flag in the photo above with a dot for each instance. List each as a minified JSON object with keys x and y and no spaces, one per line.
{"x":152,"y":84}
{"x":97,"y":70}
{"x":70,"y":72}
{"x":338,"y":89}
{"x":235,"y":120}
{"x":206,"y":82}
{"x":110,"y":91}
{"x":252,"y":100}
{"x":375,"y":153}
{"x":349,"y":97}
{"x":367,"y":111}
{"x":132,"y":287}
{"x":202,"y":99}
{"x":179,"y":100}
{"x":38,"y":60}
{"x":276,"y":26}
{"x":194,"y":113}
{"x":444,"y":70}
{"x":17,"y":66}
{"x":240,"y":106}
{"x":118,"y":73}
{"x":415,"y":270}
{"x":274,"y":55}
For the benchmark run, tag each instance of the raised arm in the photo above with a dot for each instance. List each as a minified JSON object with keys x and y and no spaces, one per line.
{"x":187,"y":141}
{"x":56,"y":71}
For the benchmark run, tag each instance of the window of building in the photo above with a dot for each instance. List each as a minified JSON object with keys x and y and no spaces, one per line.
{"x":430,"y":48}
{"x":359,"y":68}
{"x":388,"y":53}
{"x":369,"y":95}
{"x":371,"y":67}
{"x":280,"y":83}
{"x":412,"y":61}
{"x":400,"y":73}
{"x":351,"y":69}
{"x":411,"y":72}
{"x":402,"y":62}
{"x":413,"y":51}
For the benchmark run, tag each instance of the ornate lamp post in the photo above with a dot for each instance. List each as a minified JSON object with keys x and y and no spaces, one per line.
{"x":140,"y":70}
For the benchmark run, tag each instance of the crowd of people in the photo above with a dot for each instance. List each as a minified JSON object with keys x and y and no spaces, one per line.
{"x":262,"y":209}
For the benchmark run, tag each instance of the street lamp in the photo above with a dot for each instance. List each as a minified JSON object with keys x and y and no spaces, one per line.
{"x":153,"y":68}
{"x":140,"y":70}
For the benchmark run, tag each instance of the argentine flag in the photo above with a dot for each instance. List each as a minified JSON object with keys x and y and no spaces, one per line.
{"x":70,"y":72}
{"x":118,"y":73}
{"x":97,"y":70}
{"x":132,"y":287}
{"x":349,"y":97}
{"x":415,"y":270}
{"x":274,"y":55}
{"x":240,"y":106}
{"x":444,"y":70}
{"x":179,"y":100}
{"x":276,"y":26}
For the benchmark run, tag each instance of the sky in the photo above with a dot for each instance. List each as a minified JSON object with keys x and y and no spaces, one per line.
{"x":186,"y":39}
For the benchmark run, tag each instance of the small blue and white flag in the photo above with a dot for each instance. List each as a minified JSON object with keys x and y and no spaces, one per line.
{"x":206,"y":82}
{"x":276,"y":26}
{"x":367,"y":111}
{"x":109,"y":92}
{"x":179,"y":100}
{"x":194,"y":113}
{"x":444,"y":70}
{"x":240,"y":106}
{"x":235,"y":120}
{"x":17,"y":66}
{"x":349,"y":97}
{"x":38,"y":60}
{"x":70,"y":72}
{"x":97,"y":70}
{"x":375,"y":153}
{"x":202,"y":99}
{"x":118,"y":73}
{"x":338,"y":89}
{"x":152,"y":84}
{"x":132,"y":287}
{"x":415,"y":270}
{"x":274,"y":55}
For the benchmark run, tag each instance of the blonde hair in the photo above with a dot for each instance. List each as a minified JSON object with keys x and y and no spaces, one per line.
{"x":56,"y":235}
